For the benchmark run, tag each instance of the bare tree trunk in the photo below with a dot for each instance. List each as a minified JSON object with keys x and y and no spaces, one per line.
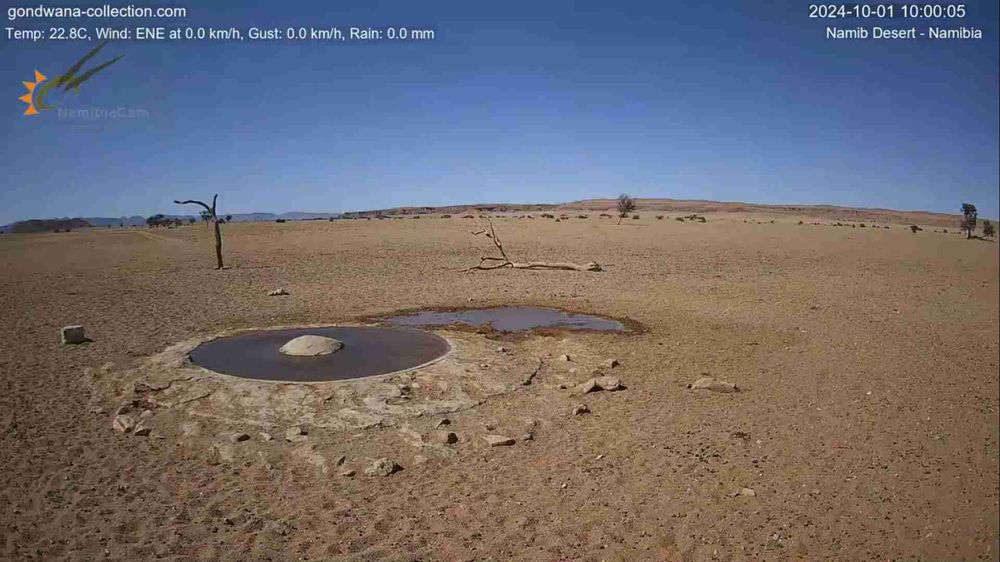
{"x":218,"y":245}
{"x":215,"y":219}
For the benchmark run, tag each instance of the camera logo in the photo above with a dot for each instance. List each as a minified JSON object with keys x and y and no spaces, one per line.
{"x":42,"y":87}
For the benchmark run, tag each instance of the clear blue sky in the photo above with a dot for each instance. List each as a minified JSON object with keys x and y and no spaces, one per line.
{"x":511,"y":102}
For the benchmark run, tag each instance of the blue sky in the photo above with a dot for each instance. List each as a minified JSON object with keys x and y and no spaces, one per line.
{"x":511,"y":102}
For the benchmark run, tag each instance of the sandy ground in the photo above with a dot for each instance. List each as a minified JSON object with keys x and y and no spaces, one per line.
{"x":867,"y":425}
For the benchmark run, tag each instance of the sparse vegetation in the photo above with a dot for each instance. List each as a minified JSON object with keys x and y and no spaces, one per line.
{"x":914,"y":228}
{"x":625,"y":206}
{"x":989,"y":230}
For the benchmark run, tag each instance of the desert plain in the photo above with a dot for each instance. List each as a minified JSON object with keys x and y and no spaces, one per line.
{"x":865,"y":428}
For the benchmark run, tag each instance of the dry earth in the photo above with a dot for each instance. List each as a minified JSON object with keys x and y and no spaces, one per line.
{"x":867,"y":424}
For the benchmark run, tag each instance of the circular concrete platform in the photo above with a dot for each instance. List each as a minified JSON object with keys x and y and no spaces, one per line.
{"x":367,"y":351}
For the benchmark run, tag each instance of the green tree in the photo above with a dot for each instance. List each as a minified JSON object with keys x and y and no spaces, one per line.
{"x":969,"y":216}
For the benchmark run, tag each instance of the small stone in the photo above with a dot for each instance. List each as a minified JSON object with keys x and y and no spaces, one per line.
{"x":72,"y":335}
{"x":239,"y":437}
{"x":348,"y":472}
{"x":296,"y":433}
{"x":146,"y":414}
{"x":709,"y":383}
{"x":420,"y":459}
{"x":588,"y":386}
{"x":340,"y":460}
{"x":580,"y":409}
{"x":123,"y":423}
{"x":442,"y":422}
{"x":499,"y":440}
{"x":748,"y":492}
{"x":107,"y":367}
{"x":446,"y":437}
{"x":611,"y":363}
{"x":277,"y":292}
{"x":266,"y":436}
{"x":142,"y":430}
{"x":502,"y":349}
{"x":528,"y":437}
{"x":564,"y":357}
{"x":311,"y":346}
{"x":382,"y":467}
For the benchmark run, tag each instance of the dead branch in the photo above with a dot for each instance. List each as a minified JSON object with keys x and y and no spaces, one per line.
{"x":489,"y":262}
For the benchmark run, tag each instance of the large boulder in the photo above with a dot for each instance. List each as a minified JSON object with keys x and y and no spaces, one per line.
{"x":311,"y":346}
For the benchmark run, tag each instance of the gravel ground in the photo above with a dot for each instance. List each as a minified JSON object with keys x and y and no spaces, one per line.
{"x":866,"y":426}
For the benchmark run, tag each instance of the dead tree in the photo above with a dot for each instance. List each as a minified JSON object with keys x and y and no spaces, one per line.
{"x":215,"y":220}
{"x":487,"y":263}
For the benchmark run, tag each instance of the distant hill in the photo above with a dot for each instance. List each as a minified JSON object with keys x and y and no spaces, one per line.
{"x":46,"y":225}
{"x":824,"y":212}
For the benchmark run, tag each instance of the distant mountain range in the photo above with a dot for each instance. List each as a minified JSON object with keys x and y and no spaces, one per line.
{"x":51,"y":225}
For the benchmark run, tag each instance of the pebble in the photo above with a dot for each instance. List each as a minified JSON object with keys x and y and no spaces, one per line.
{"x":382,"y":467}
{"x":580,"y":409}
{"x":499,"y":440}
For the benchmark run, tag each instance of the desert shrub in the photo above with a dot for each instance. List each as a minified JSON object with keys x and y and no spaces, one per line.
{"x":446,"y":216}
{"x":415,"y":217}
{"x":548,"y":216}
{"x":679,"y":219}
{"x":989,"y":230}
{"x":800,"y":223}
{"x":659,"y":217}
{"x":635,"y":217}
{"x":625,"y":206}
{"x":914,"y":228}
{"x":863,"y":225}
{"x":280,"y":220}
{"x":558,"y":220}
{"x":581,"y":216}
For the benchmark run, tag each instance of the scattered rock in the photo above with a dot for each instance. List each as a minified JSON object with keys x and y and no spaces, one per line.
{"x":72,"y":335}
{"x":382,"y":467}
{"x":420,"y":459}
{"x":311,"y":346}
{"x":239,"y":437}
{"x":340,"y":460}
{"x":528,"y":437}
{"x":611,"y":363}
{"x":748,"y":492}
{"x":502,"y":349}
{"x":141,"y":429}
{"x":446,"y":437}
{"x":266,"y":436}
{"x":280,"y":291}
{"x":600,"y":383}
{"x":442,"y":422}
{"x":123,"y":423}
{"x":146,"y":414}
{"x":348,"y":472}
{"x":295,"y":434}
{"x":709,"y":383}
{"x":564,"y":357}
{"x":499,"y":440}
{"x":580,"y":409}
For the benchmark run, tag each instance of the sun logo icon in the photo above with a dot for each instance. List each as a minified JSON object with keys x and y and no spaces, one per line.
{"x":29,"y":98}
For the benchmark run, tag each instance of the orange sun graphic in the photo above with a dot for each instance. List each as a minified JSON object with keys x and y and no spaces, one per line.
{"x":29,"y":97}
